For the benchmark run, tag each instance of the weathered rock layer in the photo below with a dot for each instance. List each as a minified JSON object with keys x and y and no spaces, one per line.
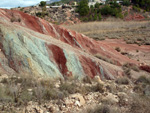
{"x":32,"y":45}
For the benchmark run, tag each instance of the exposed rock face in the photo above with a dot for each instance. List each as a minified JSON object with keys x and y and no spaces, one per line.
{"x":37,"y":47}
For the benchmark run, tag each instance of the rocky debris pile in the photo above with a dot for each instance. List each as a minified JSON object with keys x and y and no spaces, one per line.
{"x":63,"y":15}
{"x":136,"y":17}
{"x":60,"y":15}
{"x":117,"y":98}
{"x":132,"y":15}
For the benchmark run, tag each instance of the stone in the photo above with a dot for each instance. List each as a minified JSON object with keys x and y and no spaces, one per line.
{"x":77,"y":103}
{"x":30,"y":90}
{"x":111,"y":98}
{"x":78,"y":97}
{"x":97,"y":79}
{"x":51,"y":109}
{"x":4,"y":76}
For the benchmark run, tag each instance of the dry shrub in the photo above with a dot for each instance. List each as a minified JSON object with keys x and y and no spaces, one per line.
{"x":87,"y":79}
{"x":143,"y":79}
{"x":50,"y":94}
{"x":139,"y":104}
{"x":135,"y":68}
{"x":122,"y":80}
{"x":14,"y":19}
{"x":104,"y":58}
{"x":97,"y":88}
{"x":73,"y":87}
{"x":104,"y":108}
{"x":142,"y":85}
{"x":100,"y":109}
{"x":118,"y":49}
{"x":4,"y":81}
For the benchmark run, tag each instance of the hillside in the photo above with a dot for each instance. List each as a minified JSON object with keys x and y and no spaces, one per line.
{"x":68,"y":14}
{"x":35,"y":46}
{"x":48,"y":68}
{"x":58,"y":15}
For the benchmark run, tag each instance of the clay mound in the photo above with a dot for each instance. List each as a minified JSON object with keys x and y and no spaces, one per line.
{"x":136,"y":17}
{"x":35,"y":46}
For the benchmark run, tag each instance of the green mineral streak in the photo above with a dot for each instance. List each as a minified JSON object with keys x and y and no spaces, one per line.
{"x":73,"y":65}
{"x":102,"y":72}
{"x":31,"y":51}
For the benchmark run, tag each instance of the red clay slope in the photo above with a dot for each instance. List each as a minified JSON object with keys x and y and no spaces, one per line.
{"x":70,"y":37}
{"x":77,"y":41}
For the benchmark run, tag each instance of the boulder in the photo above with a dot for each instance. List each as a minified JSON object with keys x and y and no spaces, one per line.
{"x":98,"y":79}
{"x":80,"y":101}
{"x":4,"y":76}
{"x":113,"y":99}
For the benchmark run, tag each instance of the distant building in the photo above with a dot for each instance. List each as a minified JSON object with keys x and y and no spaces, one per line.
{"x":47,"y":7}
{"x":93,"y":2}
{"x":119,"y":1}
{"x":55,"y":6}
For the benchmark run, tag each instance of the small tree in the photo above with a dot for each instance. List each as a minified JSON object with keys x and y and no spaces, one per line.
{"x":92,"y":9}
{"x":97,"y":5}
{"x":99,"y":16}
{"x":83,"y":8}
{"x":91,"y":18}
{"x":42,"y":4}
{"x":95,"y":17}
{"x":126,"y":2}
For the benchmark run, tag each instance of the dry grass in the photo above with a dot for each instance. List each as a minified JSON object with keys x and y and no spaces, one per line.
{"x":92,"y":27}
{"x":131,"y":32}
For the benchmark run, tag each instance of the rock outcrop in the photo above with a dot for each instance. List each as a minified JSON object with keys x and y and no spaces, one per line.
{"x":33,"y":46}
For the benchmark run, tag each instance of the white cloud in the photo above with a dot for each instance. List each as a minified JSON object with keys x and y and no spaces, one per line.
{"x":16,"y":3}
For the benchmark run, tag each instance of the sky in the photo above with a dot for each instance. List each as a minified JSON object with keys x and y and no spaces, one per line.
{"x":15,"y":3}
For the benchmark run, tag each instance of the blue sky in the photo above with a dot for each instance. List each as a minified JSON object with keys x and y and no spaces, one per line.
{"x":16,"y":3}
